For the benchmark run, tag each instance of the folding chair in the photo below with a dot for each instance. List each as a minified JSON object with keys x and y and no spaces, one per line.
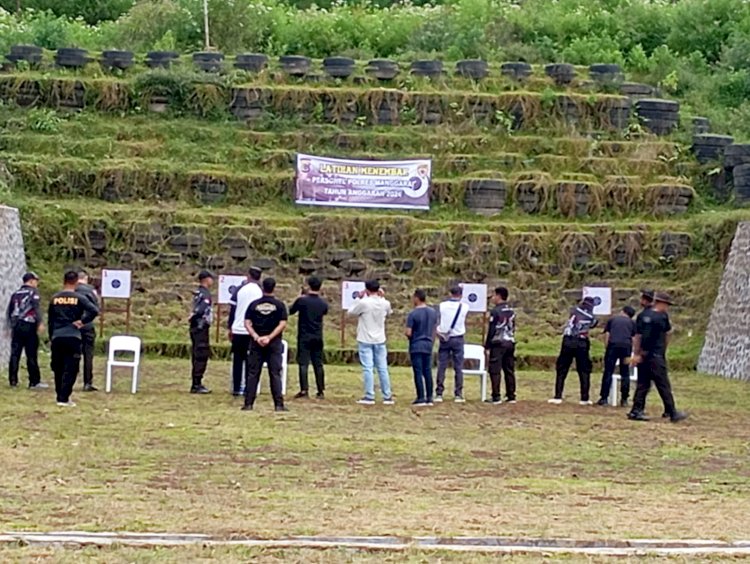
{"x":122,"y":344}
{"x":614,"y":389}
{"x":476,"y":352}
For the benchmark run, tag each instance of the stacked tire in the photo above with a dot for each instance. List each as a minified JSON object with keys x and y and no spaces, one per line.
{"x":208,"y":61}
{"x":382,"y":69}
{"x":161,"y":59}
{"x":708,"y":147}
{"x":637,"y":90}
{"x":660,"y":117}
{"x":517,"y":70}
{"x":117,"y":60}
{"x":562,"y":73}
{"x":701,"y":125}
{"x":737,"y":163}
{"x":72,"y":58}
{"x":485,"y":196}
{"x":427,"y":68}
{"x":251,"y":62}
{"x":30,"y":54}
{"x":606,"y":74}
{"x":474,"y":69}
{"x":338,"y":67}
{"x":295,"y":65}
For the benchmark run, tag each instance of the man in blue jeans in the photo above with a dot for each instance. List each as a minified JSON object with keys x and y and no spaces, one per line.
{"x":420,"y":330}
{"x":372,"y":308}
{"x":451,"y":331}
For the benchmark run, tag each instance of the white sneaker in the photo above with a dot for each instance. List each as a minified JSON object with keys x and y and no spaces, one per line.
{"x":66,"y":404}
{"x":438,"y":399}
{"x":459,"y":399}
{"x":587,"y":402}
{"x":39,"y":386}
{"x":555,"y":401}
{"x":388,"y":401}
{"x":366,"y":401}
{"x":511,"y":401}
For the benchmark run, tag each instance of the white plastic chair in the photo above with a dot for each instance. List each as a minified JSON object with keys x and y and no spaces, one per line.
{"x":284,"y":371}
{"x":476,"y":352}
{"x":121,"y":344}
{"x":614,"y":389}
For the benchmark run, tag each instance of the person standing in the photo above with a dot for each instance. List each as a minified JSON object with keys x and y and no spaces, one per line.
{"x":618,"y":334}
{"x":371,"y":308}
{"x":451,"y":331}
{"x":501,"y":346}
{"x":88,"y":332}
{"x":24,"y":318}
{"x":650,"y":351}
{"x":68,"y":313}
{"x":201,"y":317}
{"x":421,"y":325}
{"x":311,"y":308}
{"x":242,"y":297}
{"x":576,"y":346}
{"x":265,"y":321}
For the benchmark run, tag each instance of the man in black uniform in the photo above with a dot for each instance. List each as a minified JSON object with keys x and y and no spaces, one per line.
{"x":88,"y":332}
{"x":200,"y":323}
{"x":619,"y":333}
{"x":24,"y":319}
{"x":68,"y":312}
{"x":265,"y":322}
{"x":576,"y":346}
{"x":650,"y":350}
{"x":501,"y":346}
{"x":312,"y":308}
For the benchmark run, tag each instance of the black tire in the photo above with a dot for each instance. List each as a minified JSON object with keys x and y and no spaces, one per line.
{"x":72,"y":52}
{"x":658,"y":116}
{"x":254,"y":62}
{"x":162,"y":55}
{"x":657,"y":104}
{"x":712,"y":140}
{"x":427,"y":67}
{"x":476,"y":69}
{"x":25,"y":50}
{"x":294,"y":60}
{"x":605,"y":68}
{"x":338,"y":62}
{"x":636,"y":89}
{"x":737,"y":150}
{"x":208,"y":57}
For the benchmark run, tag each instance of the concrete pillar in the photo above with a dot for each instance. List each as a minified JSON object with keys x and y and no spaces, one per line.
{"x":12,"y":267}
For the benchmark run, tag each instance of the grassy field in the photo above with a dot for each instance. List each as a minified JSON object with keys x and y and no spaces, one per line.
{"x":164,"y":460}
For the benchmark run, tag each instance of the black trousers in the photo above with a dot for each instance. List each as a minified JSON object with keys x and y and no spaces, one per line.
{"x":24,"y":339}
{"x":653,"y":369}
{"x":66,"y":362}
{"x":574,"y":348}
{"x":240,"y":349}
{"x":503,"y":361}
{"x":88,"y":341}
{"x":611,"y":356}
{"x":201,"y":351}
{"x":272,"y":354}
{"x":308,"y":351}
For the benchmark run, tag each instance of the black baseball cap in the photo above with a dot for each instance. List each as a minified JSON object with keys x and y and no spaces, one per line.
{"x":255,"y":271}
{"x":648,"y":294}
{"x":30,"y":276}
{"x":203,"y":274}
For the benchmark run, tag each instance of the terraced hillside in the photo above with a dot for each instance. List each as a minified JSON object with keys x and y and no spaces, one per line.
{"x":544,"y":178}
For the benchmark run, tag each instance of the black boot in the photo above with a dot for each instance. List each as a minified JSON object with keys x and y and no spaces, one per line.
{"x":200,"y":389}
{"x":637,"y":416}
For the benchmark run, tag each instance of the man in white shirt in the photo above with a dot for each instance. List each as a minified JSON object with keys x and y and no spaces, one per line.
{"x":451,"y":330}
{"x":242,"y":297}
{"x":372,"y":308}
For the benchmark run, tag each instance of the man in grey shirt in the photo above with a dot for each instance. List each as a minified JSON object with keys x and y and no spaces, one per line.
{"x":88,"y":332}
{"x":372,"y":308}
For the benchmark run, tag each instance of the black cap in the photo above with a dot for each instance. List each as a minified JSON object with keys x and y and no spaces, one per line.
{"x":255,"y":271}
{"x":203,"y":274}
{"x":588,"y":300}
{"x":30,"y":276}
{"x":648,"y":294}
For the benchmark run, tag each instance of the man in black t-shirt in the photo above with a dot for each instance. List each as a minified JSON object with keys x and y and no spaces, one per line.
{"x":311,"y":308}
{"x":265,"y":321}
{"x":650,"y":350}
{"x":619,"y":333}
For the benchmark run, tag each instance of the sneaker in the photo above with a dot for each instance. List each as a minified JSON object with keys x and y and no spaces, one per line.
{"x":237,"y":394}
{"x":246,"y":407}
{"x":494,"y":401}
{"x":388,"y":401}
{"x":90,"y":388}
{"x":366,"y":401}
{"x":199,"y":390}
{"x":637,"y":416}
{"x":66,"y":403}
{"x":429,"y":403}
{"x":603,"y":402}
{"x":555,"y":401}
{"x":438,"y":399}
{"x":302,"y":394}
{"x":585,"y":402}
{"x":281,"y":408}
{"x":320,"y":395}
{"x":678,"y":416}
{"x":511,"y":401}
{"x":39,"y":386}
{"x":459,"y":399}
{"x":419,"y":403}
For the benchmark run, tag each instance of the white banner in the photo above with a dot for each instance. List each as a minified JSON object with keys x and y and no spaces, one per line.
{"x":475,"y":296}
{"x":325,"y":181}
{"x":116,"y":284}
{"x":349,"y":291}
{"x":228,"y":283}
{"x":602,"y":299}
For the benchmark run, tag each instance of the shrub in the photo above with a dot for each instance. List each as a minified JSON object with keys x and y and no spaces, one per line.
{"x":92,"y":11}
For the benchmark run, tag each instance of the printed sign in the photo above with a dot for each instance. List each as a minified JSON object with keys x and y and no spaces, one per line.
{"x":116,"y":284}
{"x":602,"y":299}
{"x":349,"y":291}
{"x":228,"y":283}
{"x":475,"y":296}
{"x":372,"y":184}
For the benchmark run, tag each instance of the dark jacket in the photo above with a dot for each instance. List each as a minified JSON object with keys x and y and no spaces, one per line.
{"x":65,"y":308}
{"x":24,"y":307}
{"x":88,"y":292}
{"x":502,"y":326}
{"x":202,"y":315}
{"x":580,"y":323}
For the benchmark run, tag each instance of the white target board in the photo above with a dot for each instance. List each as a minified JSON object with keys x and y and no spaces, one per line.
{"x":228,"y":283}
{"x":602,"y":299}
{"x":350,"y":289}
{"x":116,"y":284}
{"x":475,"y":296}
